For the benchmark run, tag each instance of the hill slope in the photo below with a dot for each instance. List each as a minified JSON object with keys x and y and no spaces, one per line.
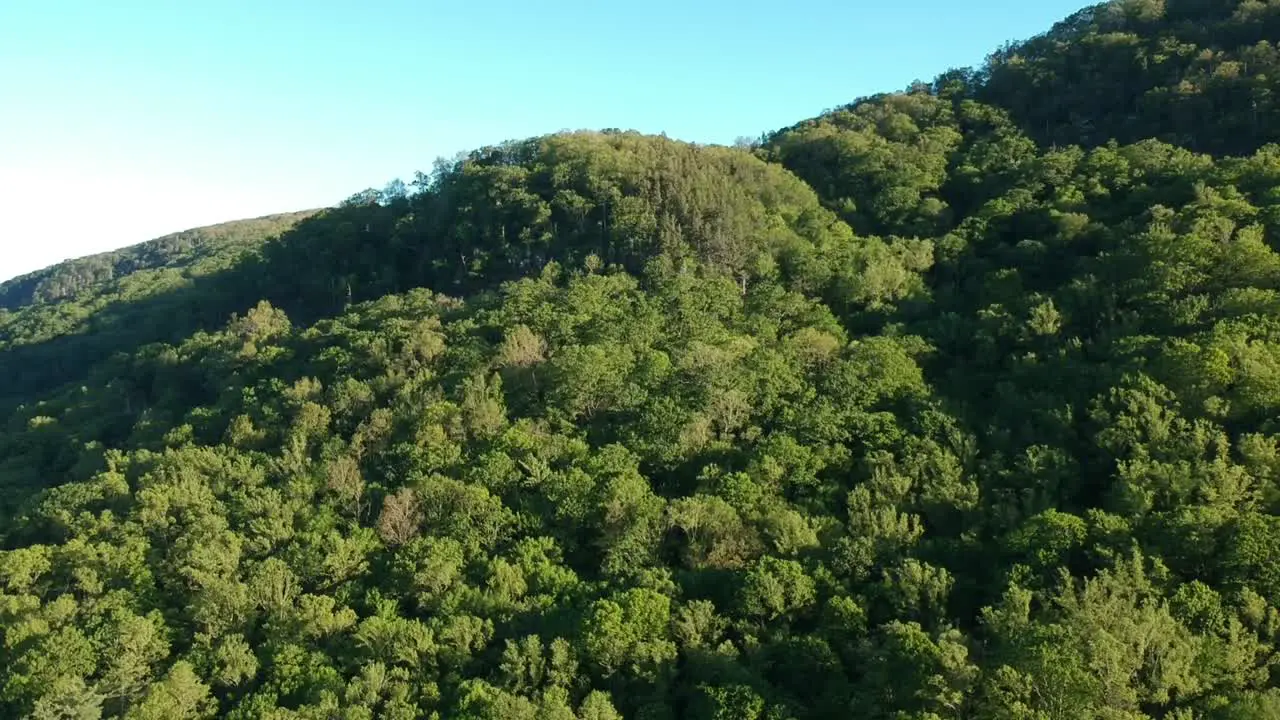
{"x":189,"y":249}
{"x":927,"y":407}
{"x":58,"y":321}
{"x":1201,"y":74}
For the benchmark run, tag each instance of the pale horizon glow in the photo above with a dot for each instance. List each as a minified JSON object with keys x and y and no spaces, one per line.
{"x":127,"y":121}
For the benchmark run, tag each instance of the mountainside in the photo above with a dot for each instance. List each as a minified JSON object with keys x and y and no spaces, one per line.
{"x":957,"y":402}
{"x":1201,"y":74}
{"x":191,"y":250}
{"x":56,"y":322}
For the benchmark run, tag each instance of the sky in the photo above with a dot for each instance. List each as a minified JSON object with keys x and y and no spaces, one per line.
{"x":125,"y":120}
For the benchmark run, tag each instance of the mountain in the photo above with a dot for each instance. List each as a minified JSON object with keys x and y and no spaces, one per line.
{"x":58,"y":321}
{"x":1202,"y":74}
{"x":955,"y":402}
{"x":193,"y":251}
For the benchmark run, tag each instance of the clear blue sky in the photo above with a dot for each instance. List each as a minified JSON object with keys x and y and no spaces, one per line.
{"x":123,"y":120}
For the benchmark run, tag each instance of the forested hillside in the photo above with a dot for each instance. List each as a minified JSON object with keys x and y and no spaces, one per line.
{"x":957,"y":402}
{"x":57,"y":322}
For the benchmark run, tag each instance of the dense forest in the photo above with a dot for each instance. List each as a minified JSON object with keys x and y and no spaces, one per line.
{"x":955,"y":402}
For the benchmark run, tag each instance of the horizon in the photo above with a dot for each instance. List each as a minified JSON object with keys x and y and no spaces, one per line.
{"x":162,"y":120}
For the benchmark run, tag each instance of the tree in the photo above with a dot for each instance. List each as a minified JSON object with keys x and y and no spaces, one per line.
{"x":400,"y":518}
{"x":180,"y":695}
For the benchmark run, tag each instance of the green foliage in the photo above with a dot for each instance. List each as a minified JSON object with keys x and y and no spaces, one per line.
{"x":952,"y":403}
